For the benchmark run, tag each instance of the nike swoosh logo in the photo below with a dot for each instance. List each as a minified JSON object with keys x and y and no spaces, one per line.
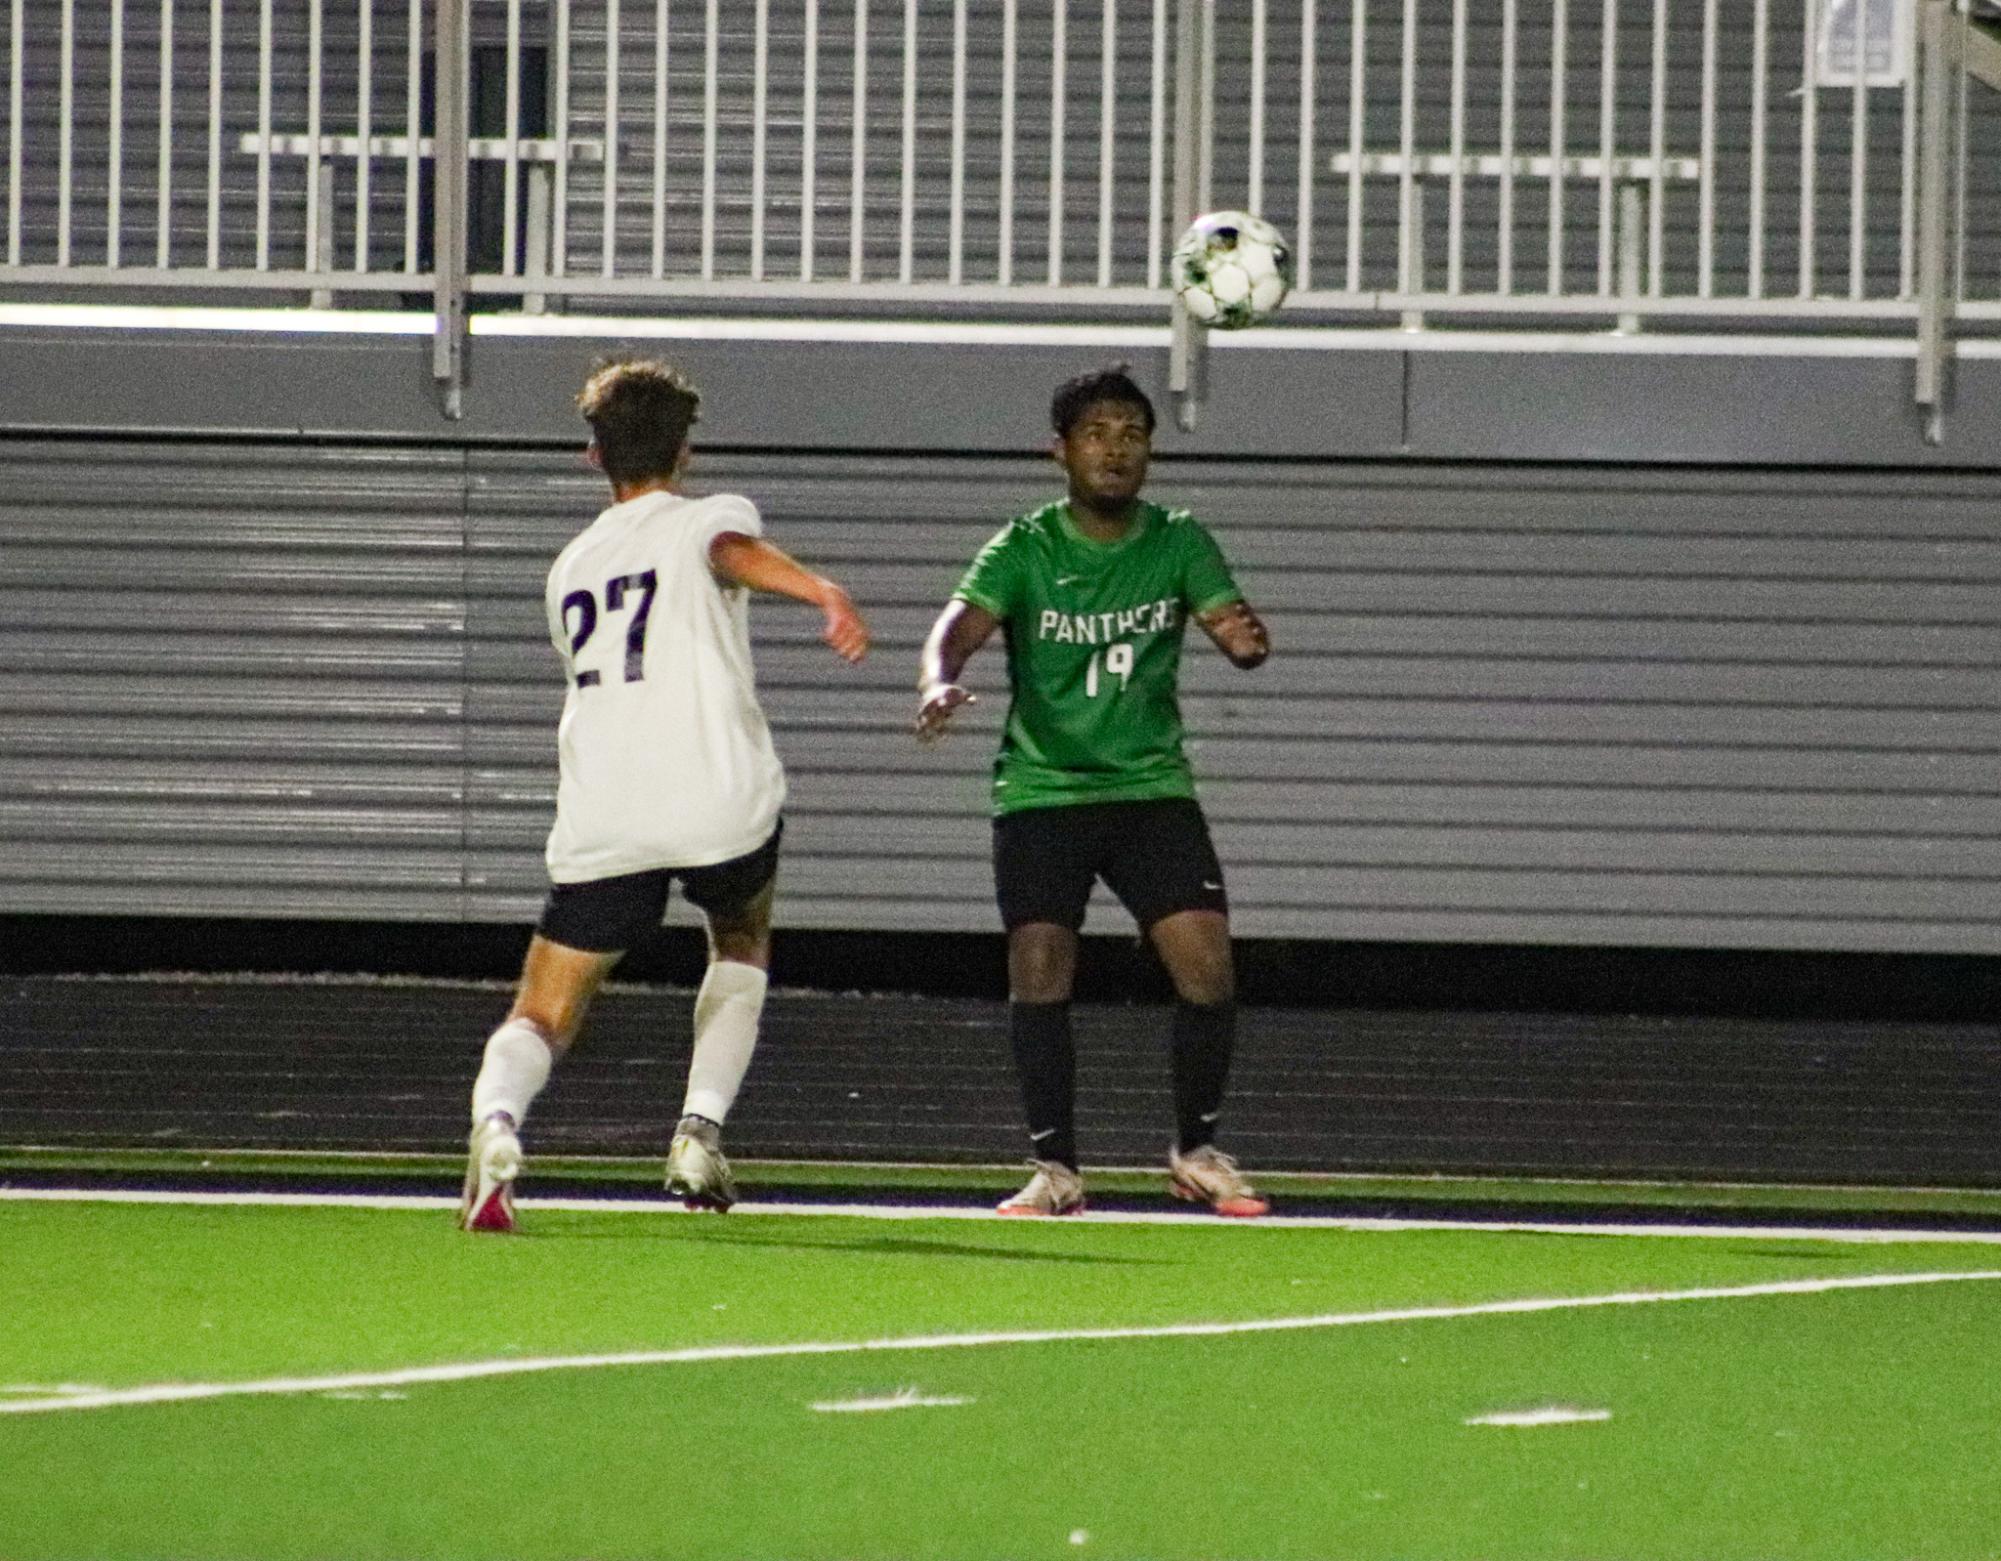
{"x":1068,"y":579}
{"x":1208,"y":885}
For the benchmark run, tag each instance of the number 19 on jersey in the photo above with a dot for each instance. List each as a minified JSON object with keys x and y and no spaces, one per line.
{"x":1118,"y":661}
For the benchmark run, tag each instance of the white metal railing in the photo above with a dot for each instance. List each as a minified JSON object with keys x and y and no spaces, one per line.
{"x":1642,"y":162}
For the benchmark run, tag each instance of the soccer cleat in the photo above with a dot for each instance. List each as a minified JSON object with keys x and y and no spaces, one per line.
{"x":697,"y":1173}
{"x":493,"y":1161}
{"x":1053,"y":1189}
{"x":1207,"y":1175}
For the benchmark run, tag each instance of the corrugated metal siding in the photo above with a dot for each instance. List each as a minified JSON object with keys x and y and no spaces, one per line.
{"x":520,"y":511}
{"x":231,"y":680}
{"x":1640,"y":708}
{"x":1653,"y":708}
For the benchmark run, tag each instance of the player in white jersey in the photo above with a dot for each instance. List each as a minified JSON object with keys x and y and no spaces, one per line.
{"x":667,"y":771}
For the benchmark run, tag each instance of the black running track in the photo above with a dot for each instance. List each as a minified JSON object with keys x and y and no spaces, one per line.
{"x":359,"y":1065}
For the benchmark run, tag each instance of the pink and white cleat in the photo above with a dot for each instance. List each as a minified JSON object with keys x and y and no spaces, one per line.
{"x":1207,"y":1175}
{"x":492,"y":1163}
{"x":1053,"y":1189}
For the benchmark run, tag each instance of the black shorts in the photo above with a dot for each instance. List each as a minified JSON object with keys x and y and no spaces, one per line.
{"x":1155,"y":856}
{"x":609,"y":915}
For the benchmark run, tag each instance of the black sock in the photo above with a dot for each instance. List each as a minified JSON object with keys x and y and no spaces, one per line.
{"x":1046,"y":1063}
{"x":1205,"y":1034}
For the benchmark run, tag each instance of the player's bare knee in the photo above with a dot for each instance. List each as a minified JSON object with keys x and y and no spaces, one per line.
{"x":1045,"y":987}
{"x":1039,"y":975}
{"x":1041,"y":964}
{"x":1206,"y":983}
{"x":742,"y":933}
{"x":1201,"y":968}
{"x":1195,"y":949}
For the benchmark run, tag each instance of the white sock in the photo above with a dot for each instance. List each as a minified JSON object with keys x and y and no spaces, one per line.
{"x":726,"y":1015}
{"x":516,"y":1067}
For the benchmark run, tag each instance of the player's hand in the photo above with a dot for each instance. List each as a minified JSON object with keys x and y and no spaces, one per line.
{"x":937,"y":707}
{"x":1238,"y":632}
{"x":846,"y":631}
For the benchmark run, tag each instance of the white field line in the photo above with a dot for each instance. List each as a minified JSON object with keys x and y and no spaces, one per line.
{"x":1867,"y":1236}
{"x":466,"y":1371}
{"x":1288,"y":1183}
{"x":1554,"y":1414}
{"x":903,"y":1398}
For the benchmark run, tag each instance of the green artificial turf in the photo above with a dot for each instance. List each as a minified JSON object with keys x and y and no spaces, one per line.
{"x":1848,"y":1424}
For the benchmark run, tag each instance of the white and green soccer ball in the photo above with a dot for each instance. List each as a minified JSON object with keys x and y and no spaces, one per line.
{"x":1231,"y":269}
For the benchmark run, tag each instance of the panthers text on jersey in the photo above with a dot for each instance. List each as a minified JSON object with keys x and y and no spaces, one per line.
{"x":1094,"y":633}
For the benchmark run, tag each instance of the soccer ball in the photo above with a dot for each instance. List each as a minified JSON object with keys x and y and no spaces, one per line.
{"x":1231,"y":269}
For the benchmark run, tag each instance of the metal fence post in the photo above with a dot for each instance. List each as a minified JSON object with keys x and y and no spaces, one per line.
{"x":451,"y":166}
{"x":1412,"y":280}
{"x":541,"y":203}
{"x":1194,"y":149}
{"x":1940,"y":55}
{"x":323,"y":245}
{"x":1631,"y":232}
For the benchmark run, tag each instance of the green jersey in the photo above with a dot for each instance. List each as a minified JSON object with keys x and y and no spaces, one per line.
{"x":1094,"y":635}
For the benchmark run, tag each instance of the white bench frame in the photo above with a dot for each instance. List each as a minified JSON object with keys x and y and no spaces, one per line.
{"x":1634,"y":177}
{"x":540,"y":154}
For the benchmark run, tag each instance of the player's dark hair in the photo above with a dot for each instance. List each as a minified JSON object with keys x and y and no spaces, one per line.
{"x":640,"y":411}
{"x":1076,"y":396}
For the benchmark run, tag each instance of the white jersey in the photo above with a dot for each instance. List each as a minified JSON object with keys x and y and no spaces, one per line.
{"x":666,"y":758}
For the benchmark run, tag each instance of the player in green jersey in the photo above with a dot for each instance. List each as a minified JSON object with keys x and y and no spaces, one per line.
{"x":1093,"y":593}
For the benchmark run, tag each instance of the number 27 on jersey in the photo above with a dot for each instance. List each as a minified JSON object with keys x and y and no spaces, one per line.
{"x":633,"y":593}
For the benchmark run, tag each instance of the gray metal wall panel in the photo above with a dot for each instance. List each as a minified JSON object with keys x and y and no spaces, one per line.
{"x":520,"y":511}
{"x":1566,"y":706}
{"x":1582,"y":407}
{"x":811,"y":395}
{"x":1559,"y":705}
{"x":231,"y":679}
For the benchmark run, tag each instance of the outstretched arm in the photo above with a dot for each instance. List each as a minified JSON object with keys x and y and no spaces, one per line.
{"x":960,"y":630}
{"x":1238,"y":632}
{"x":753,"y":562}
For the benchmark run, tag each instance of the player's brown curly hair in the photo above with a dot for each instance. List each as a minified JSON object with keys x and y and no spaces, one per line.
{"x":1074,"y":397}
{"x":640,"y":411}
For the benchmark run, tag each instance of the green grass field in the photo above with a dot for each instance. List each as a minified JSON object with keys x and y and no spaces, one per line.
{"x":1853,"y":1422}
